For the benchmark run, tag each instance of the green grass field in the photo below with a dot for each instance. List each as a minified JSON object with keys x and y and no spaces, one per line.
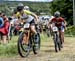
{"x":10,"y":49}
{"x":46,"y":53}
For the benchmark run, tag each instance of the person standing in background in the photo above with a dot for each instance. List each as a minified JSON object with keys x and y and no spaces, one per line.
{"x":4,"y":29}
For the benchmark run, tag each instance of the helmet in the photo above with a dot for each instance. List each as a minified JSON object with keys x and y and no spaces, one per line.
{"x":57,"y":14}
{"x":20,"y":7}
{"x":26,"y":7}
{"x":20,"y":4}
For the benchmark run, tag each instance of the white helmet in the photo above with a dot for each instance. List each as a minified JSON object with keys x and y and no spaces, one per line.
{"x":20,"y":4}
{"x":26,"y":7}
{"x":57,"y":14}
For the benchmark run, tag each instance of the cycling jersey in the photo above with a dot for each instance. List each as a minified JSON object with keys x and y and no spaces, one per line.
{"x":27,"y":14}
{"x":58,"y":21}
{"x":5,"y":29}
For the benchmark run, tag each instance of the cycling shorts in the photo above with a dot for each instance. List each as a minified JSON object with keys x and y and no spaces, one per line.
{"x":32,"y":22}
{"x":61,"y":28}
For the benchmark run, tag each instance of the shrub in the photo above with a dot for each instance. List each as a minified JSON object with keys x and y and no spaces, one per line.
{"x":70,"y":30}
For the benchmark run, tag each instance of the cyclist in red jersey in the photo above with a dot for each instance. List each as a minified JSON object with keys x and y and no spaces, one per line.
{"x":60,"y":23}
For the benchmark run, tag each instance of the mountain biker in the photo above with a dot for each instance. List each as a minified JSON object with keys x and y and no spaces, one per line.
{"x":61,"y":24}
{"x":24,"y":12}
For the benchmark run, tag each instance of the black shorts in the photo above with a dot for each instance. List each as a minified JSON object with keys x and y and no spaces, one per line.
{"x":32,"y":22}
{"x":61,"y":28}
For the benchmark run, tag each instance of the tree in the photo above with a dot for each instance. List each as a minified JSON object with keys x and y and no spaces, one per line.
{"x":65,"y":7}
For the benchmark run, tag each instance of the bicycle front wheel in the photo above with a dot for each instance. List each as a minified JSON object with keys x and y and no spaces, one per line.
{"x":23,"y":49}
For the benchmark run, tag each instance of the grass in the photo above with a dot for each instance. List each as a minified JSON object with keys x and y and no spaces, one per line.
{"x":10,"y":49}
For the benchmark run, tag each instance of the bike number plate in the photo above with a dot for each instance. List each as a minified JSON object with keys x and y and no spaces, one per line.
{"x":55,"y":29}
{"x":27,"y":25}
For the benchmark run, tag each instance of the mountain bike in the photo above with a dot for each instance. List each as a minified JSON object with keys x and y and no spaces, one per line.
{"x":28,"y":42}
{"x":56,"y":39}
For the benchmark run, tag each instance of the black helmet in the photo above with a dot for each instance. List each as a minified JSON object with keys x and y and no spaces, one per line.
{"x":20,"y":7}
{"x":57,"y":14}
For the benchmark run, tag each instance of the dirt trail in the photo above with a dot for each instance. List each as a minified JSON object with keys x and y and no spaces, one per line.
{"x":47,"y":52}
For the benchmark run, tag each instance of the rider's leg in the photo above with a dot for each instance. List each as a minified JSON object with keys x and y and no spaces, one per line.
{"x":4,"y":39}
{"x":33,"y":29}
{"x":26,"y":38}
{"x":62,"y":37}
{"x":61,"y":34}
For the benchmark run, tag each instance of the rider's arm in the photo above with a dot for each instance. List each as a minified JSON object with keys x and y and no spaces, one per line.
{"x":65,"y":22}
{"x":33,"y":14}
{"x":50,"y":21}
{"x":17,"y":15}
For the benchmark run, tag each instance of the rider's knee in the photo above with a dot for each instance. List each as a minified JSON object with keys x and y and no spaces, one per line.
{"x":32,"y":27}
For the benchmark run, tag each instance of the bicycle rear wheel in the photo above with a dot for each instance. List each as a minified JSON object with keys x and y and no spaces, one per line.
{"x":36,"y":44}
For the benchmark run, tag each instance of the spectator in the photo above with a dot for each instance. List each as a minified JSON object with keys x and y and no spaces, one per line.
{"x":5,"y":29}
